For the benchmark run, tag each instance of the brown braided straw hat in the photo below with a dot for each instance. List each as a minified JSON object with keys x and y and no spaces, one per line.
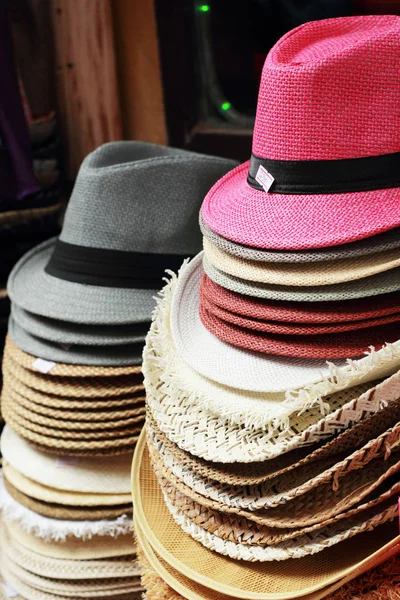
{"x":299,"y":274}
{"x":52,"y":495}
{"x":296,"y":507}
{"x":249,"y":581}
{"x":355,"y":436}
{"x":73,"y":548}
{"x":16,"y":217}
{"x":160,"y":579}
{"x":28,"y":361}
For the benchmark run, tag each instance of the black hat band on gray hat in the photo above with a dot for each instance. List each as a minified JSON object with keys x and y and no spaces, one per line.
{"x":110,"y":268}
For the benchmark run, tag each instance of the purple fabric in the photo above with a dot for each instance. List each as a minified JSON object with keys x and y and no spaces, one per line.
{"x":17,"y":179}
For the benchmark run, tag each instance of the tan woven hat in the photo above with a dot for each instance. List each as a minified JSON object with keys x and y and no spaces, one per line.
{"x":297,"y":274}
{"x":54,"y":496}
{"x":73,"y":548}
{"x":67,"y":513}
{"x":161,"y":580}
{"x":355,"y":436}
{"x":59,"y":568}
{"x":30,"y":362}
{"x":83,"y":475}
{"x":250,"y":581}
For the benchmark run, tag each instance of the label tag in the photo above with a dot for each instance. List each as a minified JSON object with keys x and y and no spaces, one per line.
{"x":264,"y":178}
{"x":66,"y":461}
{"x":44,"y":366}
{"x":9,"y":590}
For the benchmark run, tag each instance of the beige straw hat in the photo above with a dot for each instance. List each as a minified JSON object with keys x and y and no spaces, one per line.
{"x":249,"y":581}
{"x":332,"y":475}
{"x":217,"y":438}
{"x":28,"y":361}
{"x":52,"y":495}
{"x":79,"y":475}
{"x":298,"y":274}
{"x":59,"y":568}
{"x":161,"y":580}
{"x":67,"y":513}
{"x":73,"y":548}
{"x":183,"y":464}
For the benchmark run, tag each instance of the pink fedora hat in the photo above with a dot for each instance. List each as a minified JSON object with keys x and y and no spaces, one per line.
{"x":325,"y":164}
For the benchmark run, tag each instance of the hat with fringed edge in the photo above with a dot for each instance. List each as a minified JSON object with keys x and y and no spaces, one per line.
{"x":300,"y":190}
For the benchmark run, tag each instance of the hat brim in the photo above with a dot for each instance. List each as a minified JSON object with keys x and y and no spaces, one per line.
{"x":243,"y":369}
{"x":62,"y":332}
{"x":105,"y":356}
{"x":376,"y":285}
{"x":255,"y":218}
{"x":388,"y":240}
{"x":31,"y":288}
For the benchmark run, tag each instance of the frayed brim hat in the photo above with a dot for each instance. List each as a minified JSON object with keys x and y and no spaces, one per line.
{"x":84,"y":475}
{"x":62,"y":332}
{"x":92,"y":275}
{"x":389,"y":240}
{"x":31,"y":363}
{"x":234,"y":367}
{"x":255,"y":581}
{"x":315,"y":274}
{"x":88,"y":355}
{"x":300,"y":190}
{"x":311,"y":313}
{"x":376,"y":285}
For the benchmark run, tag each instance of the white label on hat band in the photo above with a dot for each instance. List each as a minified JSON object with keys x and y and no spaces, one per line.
{"x":44,"y":366}
{"x":264,"y":178}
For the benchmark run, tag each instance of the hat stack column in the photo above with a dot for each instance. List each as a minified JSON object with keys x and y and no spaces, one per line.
{"x":73,"y":396}
{"x":269,"y":465}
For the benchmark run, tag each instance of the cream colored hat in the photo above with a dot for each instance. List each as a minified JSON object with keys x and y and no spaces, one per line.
{"x":250,"y":581}
{"x":299,"y":274}
{"x":70,"y":474}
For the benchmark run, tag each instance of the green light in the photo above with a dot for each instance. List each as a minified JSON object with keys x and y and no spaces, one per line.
{"x":226,"y":106}
{"x":204,"y":8}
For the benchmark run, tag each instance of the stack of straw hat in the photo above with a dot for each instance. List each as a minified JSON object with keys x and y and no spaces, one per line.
{"x":73,"y":396}
{"x":269,"y":472}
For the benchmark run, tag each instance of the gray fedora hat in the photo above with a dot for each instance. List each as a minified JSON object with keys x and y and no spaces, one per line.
{"x":133,"y":213}
{"x":382,"y":283}
{"x":105,"y":356}
{"x":389,"y":240}
{"x":63,"y":332}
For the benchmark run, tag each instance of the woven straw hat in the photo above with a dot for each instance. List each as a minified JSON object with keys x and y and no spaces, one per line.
{"x":282,"y":328}
{"x":262,"y":581}
{"x":117,"y":546}
{"x":315,"y":274}
{"x":62,"y":332}
{"x":84,"y":475}
{"x":163,"y":188}
{"x":313,"y":202}
{"x":348,"y":344}
{"x":124,"y":354}
{"x":376,"y":285}
{"x":232,"y":366}
{"x":202,"y":476}
{"x":389,"y":240}
{"x":159,"y":577}
{"x":29,"y":362}
{"x":313,"y":314}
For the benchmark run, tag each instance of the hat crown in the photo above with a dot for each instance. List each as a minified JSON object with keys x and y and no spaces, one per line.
{"x":141,"y":197}
{"x":330,"y":90}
